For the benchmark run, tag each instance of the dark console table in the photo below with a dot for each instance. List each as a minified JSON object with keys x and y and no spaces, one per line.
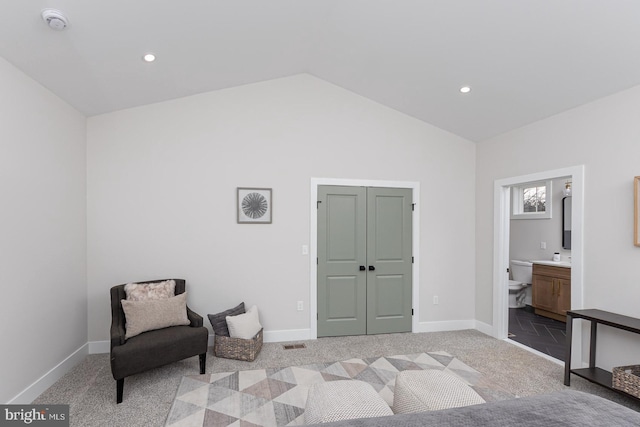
{"x":593,"y":374}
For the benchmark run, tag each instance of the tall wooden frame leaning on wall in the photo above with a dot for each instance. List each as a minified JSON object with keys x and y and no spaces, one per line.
{"x":636,"y":210}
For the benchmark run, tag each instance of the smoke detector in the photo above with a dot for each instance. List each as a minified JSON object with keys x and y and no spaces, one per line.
{"x":55,"y":19}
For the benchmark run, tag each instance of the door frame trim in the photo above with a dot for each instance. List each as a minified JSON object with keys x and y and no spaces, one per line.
{"x":313,"y":242}
{"x":501,"y":228}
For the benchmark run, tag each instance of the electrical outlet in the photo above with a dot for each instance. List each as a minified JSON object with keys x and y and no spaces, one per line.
{"x":300,"y":306}
{"x":543,"y":245}
{"x":435,"y":300}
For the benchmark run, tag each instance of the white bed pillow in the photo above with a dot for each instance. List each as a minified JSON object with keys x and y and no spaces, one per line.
{"x":245,"y":325}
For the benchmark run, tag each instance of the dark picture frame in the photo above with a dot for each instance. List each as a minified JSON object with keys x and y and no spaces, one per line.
{"x":254,"y":205}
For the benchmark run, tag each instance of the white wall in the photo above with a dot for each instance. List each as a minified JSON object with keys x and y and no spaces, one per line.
{"x":162,"y":185}
{"x":43,"y":318}
{"x":603,"y":136}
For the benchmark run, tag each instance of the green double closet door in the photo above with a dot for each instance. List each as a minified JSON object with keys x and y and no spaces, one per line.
{"x":364,"y":260}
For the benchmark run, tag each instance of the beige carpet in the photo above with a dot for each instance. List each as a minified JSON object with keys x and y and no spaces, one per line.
{"x":90,"y":390}
{"x":277,"y":396}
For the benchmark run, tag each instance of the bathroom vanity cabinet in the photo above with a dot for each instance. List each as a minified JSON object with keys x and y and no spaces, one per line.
{"x":551,"y":291}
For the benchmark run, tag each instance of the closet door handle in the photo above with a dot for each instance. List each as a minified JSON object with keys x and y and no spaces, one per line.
{"x":362,"y":268}
{"x":372,"y":268}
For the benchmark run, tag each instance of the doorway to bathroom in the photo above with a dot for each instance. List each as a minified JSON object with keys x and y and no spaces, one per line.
{"x":536,"y":316}
{"x":524,"y":240}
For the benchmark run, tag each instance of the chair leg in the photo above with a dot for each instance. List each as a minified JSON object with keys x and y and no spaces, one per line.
{"x":203,"y":362}
{"x":120,"y":389}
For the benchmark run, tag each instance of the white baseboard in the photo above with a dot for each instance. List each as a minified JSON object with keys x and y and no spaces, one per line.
{"x":279,"y":336}
{"x":446,"y":325}
{"x":287,"y":335}
{"x":97,"y":347}
{"x":484,"y":328}
{"x":30,"y":393}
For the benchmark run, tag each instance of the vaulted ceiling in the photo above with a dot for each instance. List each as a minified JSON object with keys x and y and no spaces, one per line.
{"x":524,"y":60}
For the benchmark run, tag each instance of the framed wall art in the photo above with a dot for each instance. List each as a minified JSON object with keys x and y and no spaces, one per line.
{"x":636,"y":210}
{"x":255,"y":206}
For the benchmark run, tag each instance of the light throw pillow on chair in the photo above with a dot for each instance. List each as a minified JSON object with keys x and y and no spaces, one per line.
{"x":246,"y":325}
{"x":143,"y":316}
{"x":146,"y":291}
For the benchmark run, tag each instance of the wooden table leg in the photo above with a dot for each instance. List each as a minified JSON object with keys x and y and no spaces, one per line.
{"x":567,"y":360}
{"x":592,"y":345}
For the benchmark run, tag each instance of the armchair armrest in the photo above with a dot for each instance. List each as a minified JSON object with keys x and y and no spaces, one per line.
{"x":195,"y":318}
{"x":117,"y":332}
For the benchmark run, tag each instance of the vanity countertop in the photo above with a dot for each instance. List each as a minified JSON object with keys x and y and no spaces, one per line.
{"x":564,"y":264}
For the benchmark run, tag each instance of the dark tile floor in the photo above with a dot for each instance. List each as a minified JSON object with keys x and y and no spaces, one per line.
{"x":538,"y":332}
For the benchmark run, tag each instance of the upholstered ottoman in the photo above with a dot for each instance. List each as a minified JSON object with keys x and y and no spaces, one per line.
{"x":429,"y":390}
{"x":343,"y":400}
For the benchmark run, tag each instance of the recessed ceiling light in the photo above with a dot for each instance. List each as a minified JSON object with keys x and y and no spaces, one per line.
{"x":465,"y":89}
{"x":149,"y":57}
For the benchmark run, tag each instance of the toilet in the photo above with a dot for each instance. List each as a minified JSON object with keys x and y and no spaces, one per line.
{"x":521,"y":272}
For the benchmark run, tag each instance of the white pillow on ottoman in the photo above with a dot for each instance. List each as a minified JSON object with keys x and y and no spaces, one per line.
{"x":431,"y":390}
{"x":344,"y":400}
{"x":245,"y":325}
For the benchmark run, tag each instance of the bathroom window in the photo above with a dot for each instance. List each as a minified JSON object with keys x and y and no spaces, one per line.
{"x":531,"y":201}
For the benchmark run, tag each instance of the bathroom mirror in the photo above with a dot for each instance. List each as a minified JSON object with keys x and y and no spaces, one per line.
{"x":566,"y":222}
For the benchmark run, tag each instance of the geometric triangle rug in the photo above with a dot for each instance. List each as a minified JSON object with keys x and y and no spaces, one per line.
{"x":277,"y":396}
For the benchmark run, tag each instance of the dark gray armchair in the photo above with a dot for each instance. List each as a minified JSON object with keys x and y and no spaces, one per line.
{"x":155,"y":348}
